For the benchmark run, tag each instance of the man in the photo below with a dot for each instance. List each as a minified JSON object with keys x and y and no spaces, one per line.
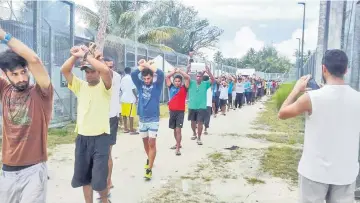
{"x":177,"y":94}
{"x":197,"y":103}
{"x":92,"y":123}
{"x":148,"y":108}
{"x":216,"y":94}
{"x":248,"y":91}
{"x":329,"y":164}
{"x":26,"y":111}
{"x":223,"y":96}
{"x":230,"y":91}
{"x":114,"y":112}
{"x":209,"y":106}
{"x":128,"y":101}
{"x":239,"y":89}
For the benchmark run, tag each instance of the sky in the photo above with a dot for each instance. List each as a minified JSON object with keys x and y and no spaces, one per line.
{"x":256,"y":23}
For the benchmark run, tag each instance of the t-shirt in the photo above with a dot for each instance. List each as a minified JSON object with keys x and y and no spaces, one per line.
{"x":26,"y":119}
{"x":177,"y":98}
{"x":258,"y":84}
{"x":331,"y":139}
{"x":209,"y":95}
{"x":197,"y":94}
{"x":93,"y":107}
{"x":230,"y":89}
{"x":224,"y":92}
{"x":115,"y":99}
{"x":215,"y":90}
{"x":127,"y":87}
{"x":239,"y":87}
{"x":247,"y":86}
{"x":148,"y":108}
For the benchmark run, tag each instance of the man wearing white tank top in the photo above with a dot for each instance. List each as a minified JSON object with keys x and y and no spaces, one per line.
{"x":329,"y":164}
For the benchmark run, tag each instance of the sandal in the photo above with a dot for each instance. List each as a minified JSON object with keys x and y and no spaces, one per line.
{"x":199,"y":142}
{"x":177,"y":153}
{"x":194,"y":137}
{"x":134,"y":133}
{"x":174,"y":147}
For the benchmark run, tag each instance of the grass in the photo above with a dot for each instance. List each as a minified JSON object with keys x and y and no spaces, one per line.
{"x":290,"y":139}
{"x":281,"y":162}
{"x":268,"y":120}
{"x":253,"y":181}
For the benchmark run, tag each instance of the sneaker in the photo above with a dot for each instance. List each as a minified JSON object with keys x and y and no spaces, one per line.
{"x":147,"y":164}
{"x":148,"y":174}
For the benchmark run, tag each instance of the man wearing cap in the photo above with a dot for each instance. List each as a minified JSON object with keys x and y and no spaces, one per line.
{"x":114,"y":111}
{"x":92,"y":123}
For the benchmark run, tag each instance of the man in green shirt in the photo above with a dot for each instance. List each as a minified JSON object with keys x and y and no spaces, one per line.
{"x":197,"y":102}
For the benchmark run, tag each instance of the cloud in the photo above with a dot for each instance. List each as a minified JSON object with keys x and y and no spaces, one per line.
{"x":287,"y":47}
{"x":263,"y":26}
{"x":244,"y":39}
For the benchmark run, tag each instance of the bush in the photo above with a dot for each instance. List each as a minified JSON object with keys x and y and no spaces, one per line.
{"x":282,"y":93}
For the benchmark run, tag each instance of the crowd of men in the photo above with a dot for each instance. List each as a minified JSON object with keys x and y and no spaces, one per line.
{"x":328,"y":167}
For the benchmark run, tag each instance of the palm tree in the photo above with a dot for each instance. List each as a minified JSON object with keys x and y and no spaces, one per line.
{"x":104,"y":18}
{"x":123,"y":16}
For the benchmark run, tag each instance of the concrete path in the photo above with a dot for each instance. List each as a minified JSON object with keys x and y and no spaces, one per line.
{"x":129,"y":160}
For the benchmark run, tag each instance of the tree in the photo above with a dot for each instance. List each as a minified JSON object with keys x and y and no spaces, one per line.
{"x":195,"y":33}
{"x":265,"y":60}
{"x":218,"y":57}
{"x":123,"y":18}
{"x":104,"y":18}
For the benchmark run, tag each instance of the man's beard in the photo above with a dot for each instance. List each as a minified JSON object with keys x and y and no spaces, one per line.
{"x":20,"y":86}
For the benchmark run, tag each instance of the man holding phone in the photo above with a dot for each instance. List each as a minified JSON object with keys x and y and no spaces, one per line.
{"x":329,"y":164}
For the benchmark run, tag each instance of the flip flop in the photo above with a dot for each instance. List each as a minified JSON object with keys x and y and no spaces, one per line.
{"x":199,"y":142}
{"x":206,"y":133}
{"x":174,"y":147}
{"x":193,"y":137}
{"x":177,"y":153}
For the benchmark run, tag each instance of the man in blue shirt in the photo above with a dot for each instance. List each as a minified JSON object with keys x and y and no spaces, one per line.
{"x":148,"y":107}
{"x":230,"y":91}
{"x":247,"y":87}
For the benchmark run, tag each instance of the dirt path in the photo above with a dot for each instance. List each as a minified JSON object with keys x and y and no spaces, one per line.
{"x":207,"y":173}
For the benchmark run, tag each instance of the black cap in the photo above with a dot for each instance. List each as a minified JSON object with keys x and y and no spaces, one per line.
{"x":107,"y":58}
{"x":87,"y":65}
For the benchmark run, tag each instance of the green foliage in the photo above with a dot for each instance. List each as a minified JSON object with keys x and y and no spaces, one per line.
{"x":169,"y":25}
{"x":265,"y":60}
{"x":282,"y":93}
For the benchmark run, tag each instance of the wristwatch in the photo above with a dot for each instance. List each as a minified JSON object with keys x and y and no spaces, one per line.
{"x":6,"y":38}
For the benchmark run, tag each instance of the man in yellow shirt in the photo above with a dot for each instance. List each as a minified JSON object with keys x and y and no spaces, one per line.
{"x":92,"y":123}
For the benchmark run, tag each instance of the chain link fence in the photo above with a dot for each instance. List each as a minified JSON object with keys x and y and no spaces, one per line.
{"x":48,"y":28}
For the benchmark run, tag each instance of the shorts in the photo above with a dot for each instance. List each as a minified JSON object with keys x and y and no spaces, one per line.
{"x":128,"y":110}
{"x":91,"y":161}
{"x":149,"y":129}
{"x":311,"y":191}
{"x":26,"y":185}
{"x":223,"y":102}
{"x":114,"y":124}
{"x":176,"y":119}
{"x":197,"y":115}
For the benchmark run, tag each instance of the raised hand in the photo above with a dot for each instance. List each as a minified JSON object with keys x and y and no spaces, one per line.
{"x":77,"y":52}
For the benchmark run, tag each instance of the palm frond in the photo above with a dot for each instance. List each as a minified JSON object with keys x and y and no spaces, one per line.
{"x":158,"y":34}
{"x":162,"y":47}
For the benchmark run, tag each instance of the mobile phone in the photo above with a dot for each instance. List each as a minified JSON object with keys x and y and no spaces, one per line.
{"x":312,"y":84}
